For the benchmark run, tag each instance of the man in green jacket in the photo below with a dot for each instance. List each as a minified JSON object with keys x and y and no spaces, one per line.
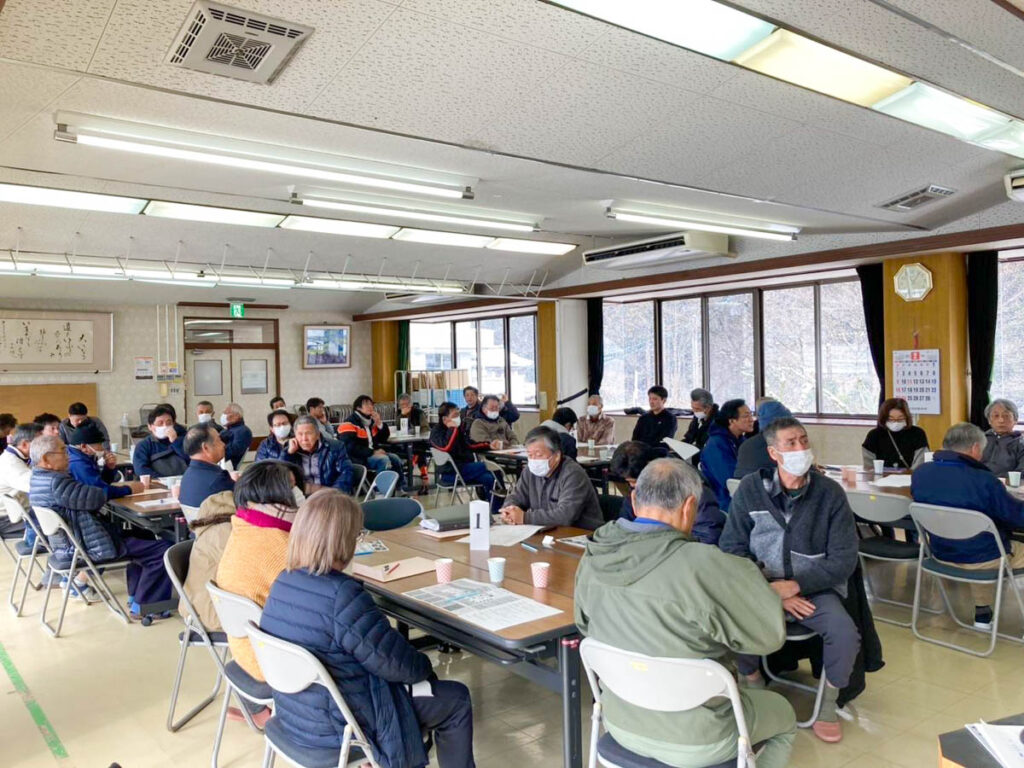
{"x":645,"y":586}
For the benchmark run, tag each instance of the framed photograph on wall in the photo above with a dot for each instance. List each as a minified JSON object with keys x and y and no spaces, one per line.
{"x":327,"y":346}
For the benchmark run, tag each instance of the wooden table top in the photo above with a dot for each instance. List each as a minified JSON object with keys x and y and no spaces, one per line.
{"x":400,"y":438}
{"x":406,"y":542}
{"x":587,"y":457}
{"x":131,"y":502}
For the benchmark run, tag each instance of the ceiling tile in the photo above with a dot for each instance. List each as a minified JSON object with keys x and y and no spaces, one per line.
{"x":62,"y":33}
{"x":24,"y":91}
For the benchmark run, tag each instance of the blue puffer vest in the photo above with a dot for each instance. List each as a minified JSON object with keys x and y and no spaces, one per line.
{"x":335,"y":619}
{"x":75,"y":502}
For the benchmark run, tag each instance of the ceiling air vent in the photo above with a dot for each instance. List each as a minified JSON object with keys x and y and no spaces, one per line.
{"x":221,"y":40}
{"x":911,"y":201}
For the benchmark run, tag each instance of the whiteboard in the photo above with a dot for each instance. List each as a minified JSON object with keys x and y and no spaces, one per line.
{"x":55,"y":341}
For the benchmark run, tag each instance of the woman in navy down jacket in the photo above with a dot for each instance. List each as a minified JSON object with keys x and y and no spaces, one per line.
{"x":389,"y":685}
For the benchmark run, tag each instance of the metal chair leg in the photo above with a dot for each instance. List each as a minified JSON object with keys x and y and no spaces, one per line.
{"x":268,"y":755}
{"x":55,"y":631}
{"x":173,"y":726}
{"x":220,"y":727}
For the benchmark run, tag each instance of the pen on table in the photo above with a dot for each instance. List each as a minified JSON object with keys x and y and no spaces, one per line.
{"x":528,"y":547}
{"x":391,"y":568}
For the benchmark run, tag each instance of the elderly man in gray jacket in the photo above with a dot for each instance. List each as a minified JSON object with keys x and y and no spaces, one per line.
{"x":554,"y":490}
{"x":1004,"y":449}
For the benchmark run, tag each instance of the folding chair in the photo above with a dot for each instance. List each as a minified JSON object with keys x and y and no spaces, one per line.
{"x":358,"y":473}
{"x":682,"y":450}
{"x":499,"y":477}
{"x":290,"y":669}
{"x":887,"y":510}
{"x":25,"y":553}
{"x":176,"y":560}
{"x":660,"y":685}
{"x":49,"y":523}
{"x":234,"y":612}
{"x":388,"y":514}
{"x":959,"y":524}
{"x":732,"y":484}
{"x":796,"y":633}
{"x":12,"y":535}
{"x":383,"y":485}
{"x":440,"y":459}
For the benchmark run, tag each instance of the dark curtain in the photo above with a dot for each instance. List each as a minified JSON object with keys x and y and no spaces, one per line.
{"x":595,"y":344}
{"x":982,"y":307}
{"x":403,"y":362}
{"x":872,"y":295}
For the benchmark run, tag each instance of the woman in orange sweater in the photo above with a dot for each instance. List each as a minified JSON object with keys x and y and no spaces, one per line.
{"x":257,"y":550}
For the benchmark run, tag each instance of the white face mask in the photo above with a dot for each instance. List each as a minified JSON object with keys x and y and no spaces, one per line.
{"x":699,"y":415}
{"x":282,"y":431}
{"x":492,"y":415}
{"x":798,"y":463}
{"x":204,"y":418}
{"x":456,"y":421}
{"x":298,"y":495}
{"x":593,"y":410}
{"x":539,"y":467}
{"x":895,"y":426}
{"x":101,"y":460}
{"x":161,"y":432}
{"x":223,"y":419}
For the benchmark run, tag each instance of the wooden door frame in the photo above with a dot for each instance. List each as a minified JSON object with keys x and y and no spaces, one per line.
{"x":276,"y":346}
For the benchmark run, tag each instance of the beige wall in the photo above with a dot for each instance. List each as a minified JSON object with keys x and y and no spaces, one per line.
{"x":135,"y":329}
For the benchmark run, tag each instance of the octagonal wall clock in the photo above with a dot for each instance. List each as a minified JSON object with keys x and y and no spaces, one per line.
{"x":913,"y":282}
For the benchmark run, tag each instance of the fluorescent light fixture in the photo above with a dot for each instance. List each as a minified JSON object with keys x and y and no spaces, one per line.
{"x":211,"y":156}
{"x":63,"y":198}
{"x":85,"y":271}
{"x":166,"y":210}
{"x":406,"y":213}
{"x":338,"y":227}
{"x":149,"y":274}
{"x":679,"y":224}
{"x":700,"y":25}
{"x":931,"y":108}
{"x":434,"y":237}
{"x":1008,"y":139}
{"x":541,"y":247}
{"x":344,"y":284}
{"x":84,"y":277}
{"x":255,"y":282}
{"x":796,"y":59}
{"x":178,"y":282}
{"x":40,"y":268}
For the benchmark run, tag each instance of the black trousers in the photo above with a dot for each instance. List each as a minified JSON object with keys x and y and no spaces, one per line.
{"x":449,"y":715}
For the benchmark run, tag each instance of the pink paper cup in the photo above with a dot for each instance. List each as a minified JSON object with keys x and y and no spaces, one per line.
{"x":443,"y":567}
{"x":145,"y":480}
{"x":541,"y":573}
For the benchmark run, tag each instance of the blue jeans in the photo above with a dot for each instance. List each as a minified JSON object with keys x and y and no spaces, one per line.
{"x":390,"y":461}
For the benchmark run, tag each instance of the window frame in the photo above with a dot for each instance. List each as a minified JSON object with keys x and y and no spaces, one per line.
{"x":758,"y":335}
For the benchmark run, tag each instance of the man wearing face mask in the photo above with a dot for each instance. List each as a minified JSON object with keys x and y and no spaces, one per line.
{"x":473,"y":406}
{"x":204,"y":476}
{"x":204,"y":414}
{"x":161,"y":453}
{"x":236,"y":436}
{"x":553,"y":491}
{"x":448,"y":436}
{"x":596,"y":425}
{"x":704,"y":408}
{"x":798,"y":526}
{"x":90,"y":464}
{"x":490,"y":428}
{"x":276,"y":444}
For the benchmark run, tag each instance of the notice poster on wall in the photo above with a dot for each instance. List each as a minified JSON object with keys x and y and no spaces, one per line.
{"x":916,"y":379}
{"x":144,"y":368}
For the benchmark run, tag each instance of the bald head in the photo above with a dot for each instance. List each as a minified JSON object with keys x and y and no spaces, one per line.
{"x":668,"y":491}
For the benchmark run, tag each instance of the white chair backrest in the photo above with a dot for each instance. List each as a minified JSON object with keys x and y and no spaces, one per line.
{"x":384,"y":484}
{"x":50,"y":521}
{"x":879,"y":508}
{"x":683,"y":450}
{"x":440,"y":457}
{"x":234,"y":611}
{"x":732,"y":484}
{"x":15,"y":512}
{"x":658,"y":684}
{"x":190,"y":513}
{"x":952,"y":522}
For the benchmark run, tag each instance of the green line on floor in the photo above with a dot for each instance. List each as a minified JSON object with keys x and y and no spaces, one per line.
{"x":38,"y":716}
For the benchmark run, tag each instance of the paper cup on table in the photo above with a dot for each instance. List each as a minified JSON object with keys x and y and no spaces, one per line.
{"x":541,"y":572}
{"x":114,"y":447}
{"x":1014,"y":478}
{"x":443,"y":567}
{"x":176,"y":490}
{"x":496,"y":567}
{"x":590,"y":445}
{"x":145,"y":480}
{"x":879,"y":466}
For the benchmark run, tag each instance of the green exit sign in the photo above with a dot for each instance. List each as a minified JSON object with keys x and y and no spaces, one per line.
{"x":237,"y":309}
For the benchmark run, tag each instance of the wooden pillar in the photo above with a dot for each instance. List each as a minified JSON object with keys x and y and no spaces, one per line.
{"x":384,"y":341}
{"x":939,"y":322}
{"x":547,"y":358}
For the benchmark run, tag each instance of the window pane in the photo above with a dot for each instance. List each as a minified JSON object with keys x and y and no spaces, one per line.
{"x":430,"y":346}
{"x":681,"y":351}
{"x":522,"y":342}
{"x":628,"y":354}
{"x":1008,"y":373}
{"x":731,"y":346}
{"x":492,"y":353}
{"x":465,"y":350}
{"x":789,"y":368}
{"x":849,"y":383}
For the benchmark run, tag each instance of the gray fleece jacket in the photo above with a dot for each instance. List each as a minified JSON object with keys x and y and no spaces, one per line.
{"x":810,"y":537}
{"x":565,"y":497}
{"x":1003,"y":453}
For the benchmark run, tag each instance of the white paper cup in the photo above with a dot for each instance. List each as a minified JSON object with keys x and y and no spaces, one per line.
{"x":1014,"y":478}
{"x":879,"y":466}
{"x":496,"y":567}
{"x":590,"y":444}
{"x":145,"y":480}
{"x":541,"y":573}
{"x":114,"y":447}
{"x":443,"y":568}
{"x":929,"y":456}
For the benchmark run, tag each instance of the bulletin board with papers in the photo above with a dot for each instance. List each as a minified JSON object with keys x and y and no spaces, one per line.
{"x":917,"y":380}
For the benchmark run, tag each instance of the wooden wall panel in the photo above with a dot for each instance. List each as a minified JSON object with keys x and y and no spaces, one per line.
{"x":384,"y":341}
{"x":547,"y":357}
{"x":26,"y":401}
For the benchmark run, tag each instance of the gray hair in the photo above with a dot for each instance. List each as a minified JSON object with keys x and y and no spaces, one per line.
{"x":667,"y":484}
{"x":546,"y":435}
{"x":404,"y":396}
{"x":597,"y":397}
{"x":702,"y":396}
{"x":783,"y":422}
{"x":963,"y":437}
{"x":27,"y":431}
{"x":43,"y":445}
{"x":234,"y":408}
{"x":1007,"y":404}
{"x":306,"y":419}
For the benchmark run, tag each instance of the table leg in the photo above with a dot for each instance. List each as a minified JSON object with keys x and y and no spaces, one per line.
{"x":572,"y":731}
{"x":604,"y":480}
{"x":408,"y":467}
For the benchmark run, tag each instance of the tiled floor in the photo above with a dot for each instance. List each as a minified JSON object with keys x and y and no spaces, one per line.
{"x":104,"y":688}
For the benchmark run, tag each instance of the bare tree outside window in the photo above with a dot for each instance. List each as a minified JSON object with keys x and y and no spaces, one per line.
{"x":430,"y":346}
{"x":731,"y":345}
{"x":522,"y":349}
{"x":628,"y":354}
{"x":849,"y":384}
{"x":682,"y":350}
{"x":1008,"y":370}
{"x":790,"y":373}
{"x":492,"y":356}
